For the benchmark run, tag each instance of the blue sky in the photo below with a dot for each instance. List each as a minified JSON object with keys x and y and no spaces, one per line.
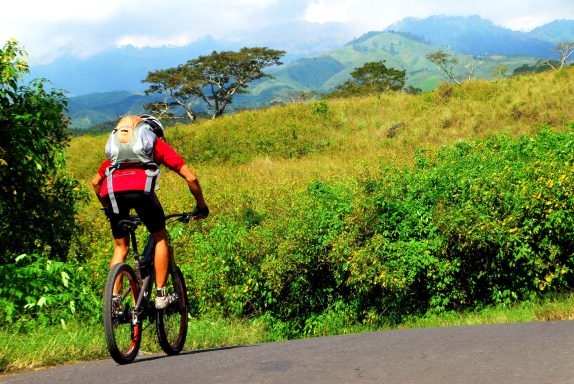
{"x":48,"y":29}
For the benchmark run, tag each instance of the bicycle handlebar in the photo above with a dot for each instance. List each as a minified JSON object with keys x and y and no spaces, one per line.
{"x":134,"y":221}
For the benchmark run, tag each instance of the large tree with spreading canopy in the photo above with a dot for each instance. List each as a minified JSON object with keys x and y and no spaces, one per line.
{"x":213,"y":79}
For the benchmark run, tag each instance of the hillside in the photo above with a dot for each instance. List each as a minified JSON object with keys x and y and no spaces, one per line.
{"x":293,"y":143}
{"x":555,"y":32}
{"x":88,"y":110}
{"x":324,"y":72}
{"x":334,"y":210}
{"x":336,"y":217}
{"x":320,"y":74}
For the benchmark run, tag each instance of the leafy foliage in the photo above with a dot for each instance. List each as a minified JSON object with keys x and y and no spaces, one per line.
{"x":539,"y":66}
{"x":37,"y":291}
{"x":371,"y":78}
{"x":446,"y":62}
{"x":37,"y":198}
{"x":214,"y":79}
{"x":479,"y":223}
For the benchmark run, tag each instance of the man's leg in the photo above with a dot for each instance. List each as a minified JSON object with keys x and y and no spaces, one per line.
{"x":121,"y":248}
{"x":160,"y":258}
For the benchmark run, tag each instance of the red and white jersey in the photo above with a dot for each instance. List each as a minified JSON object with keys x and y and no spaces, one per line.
{"x":134,"y":179}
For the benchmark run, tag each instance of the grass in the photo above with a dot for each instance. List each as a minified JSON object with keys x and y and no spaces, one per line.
{"x":274,"y":152}
{"x":77,"y":342}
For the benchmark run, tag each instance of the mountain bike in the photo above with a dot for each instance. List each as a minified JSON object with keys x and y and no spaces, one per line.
{"x":126,"y":310}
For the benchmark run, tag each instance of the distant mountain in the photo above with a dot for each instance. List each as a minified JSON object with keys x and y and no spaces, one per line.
{"x":120,"y":68}
{"x":554,"y":32}
{"x":124,"y":68}
{"x":324,"y":72}
{"x":474,"y":35}
{"x":95,"y":108}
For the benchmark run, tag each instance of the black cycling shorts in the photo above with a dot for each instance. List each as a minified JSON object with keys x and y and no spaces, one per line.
{"x":147,"y":206}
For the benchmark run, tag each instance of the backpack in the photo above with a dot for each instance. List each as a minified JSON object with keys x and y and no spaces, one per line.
{"x":135,"y":153}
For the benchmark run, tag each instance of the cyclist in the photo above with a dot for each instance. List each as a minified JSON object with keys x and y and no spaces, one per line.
{"x":128,"y":194}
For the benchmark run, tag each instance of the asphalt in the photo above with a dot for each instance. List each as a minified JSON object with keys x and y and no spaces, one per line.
{"x":541,"y":352}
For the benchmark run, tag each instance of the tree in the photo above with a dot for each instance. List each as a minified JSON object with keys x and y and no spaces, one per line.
{"x":539,"y":66}
{"x":564,"y":50}
{"x":445,"y":62}
{"x":372,"y":78}
{"x":214,"y":79}
{"x":37,"y":198}
{"x":175,"y":89}
{"x":500,"y":70}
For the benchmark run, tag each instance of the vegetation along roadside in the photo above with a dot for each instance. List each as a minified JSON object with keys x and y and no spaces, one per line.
{"x":444,"y":208}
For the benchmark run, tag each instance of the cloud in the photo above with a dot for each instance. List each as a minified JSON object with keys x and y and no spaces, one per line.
{"x":377,"y":15}
{"x":49,"y":29}
{"x":83,"y":28}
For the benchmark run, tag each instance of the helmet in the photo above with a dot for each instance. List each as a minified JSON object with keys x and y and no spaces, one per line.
{"x":154,"y":123}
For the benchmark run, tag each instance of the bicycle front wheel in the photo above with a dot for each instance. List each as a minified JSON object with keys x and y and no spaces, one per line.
{"x":122,"y":335}
{"x":172,"y":322}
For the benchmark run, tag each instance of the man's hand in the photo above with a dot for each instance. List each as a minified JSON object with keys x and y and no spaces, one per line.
{"x":108,"y":212}
{"x":199,"y":213}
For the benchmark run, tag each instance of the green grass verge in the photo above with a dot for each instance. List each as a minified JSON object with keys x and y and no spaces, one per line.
{"x":77,"y":342}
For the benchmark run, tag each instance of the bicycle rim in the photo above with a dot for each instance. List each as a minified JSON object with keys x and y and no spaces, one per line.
{"x":172,"y":321}
{"x":122,"y":335}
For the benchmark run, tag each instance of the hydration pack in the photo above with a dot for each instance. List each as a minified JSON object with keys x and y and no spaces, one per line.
{"x":135,"y":151}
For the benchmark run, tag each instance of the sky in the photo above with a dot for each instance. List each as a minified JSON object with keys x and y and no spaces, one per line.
{"x":49,"y":29}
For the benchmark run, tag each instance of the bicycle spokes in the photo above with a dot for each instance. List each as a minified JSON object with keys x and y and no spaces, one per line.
{"x":123,"y":331}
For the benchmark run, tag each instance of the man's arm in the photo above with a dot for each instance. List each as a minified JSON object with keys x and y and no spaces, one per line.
{"x":193,"y":185}
{"x":97,"y":184}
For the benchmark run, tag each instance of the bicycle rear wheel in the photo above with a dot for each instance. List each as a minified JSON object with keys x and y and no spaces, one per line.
{"x":122,"y":335}
{"x":172,"y":322}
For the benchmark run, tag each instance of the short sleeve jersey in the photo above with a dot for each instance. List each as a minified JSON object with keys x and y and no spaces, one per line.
{"x":134,"y":179}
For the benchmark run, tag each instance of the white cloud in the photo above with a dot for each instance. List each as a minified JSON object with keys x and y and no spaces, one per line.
{"x":48,"y":29}
{"x":325,"y":11}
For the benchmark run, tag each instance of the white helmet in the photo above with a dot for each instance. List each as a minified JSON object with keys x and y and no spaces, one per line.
{"x":154,"y":123}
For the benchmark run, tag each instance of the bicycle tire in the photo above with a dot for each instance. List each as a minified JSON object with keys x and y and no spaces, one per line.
{"x":171,"y":324}
{"x":123,"y":337}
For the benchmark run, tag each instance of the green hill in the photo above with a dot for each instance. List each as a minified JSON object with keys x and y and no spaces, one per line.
{"x":324,"y":72}
{"x":320,"y":74}
{"x":371,"y":210}
{"x":357,"y":128}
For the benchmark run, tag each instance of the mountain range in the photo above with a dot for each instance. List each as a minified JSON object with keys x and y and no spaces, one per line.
{"x":319,"y":56}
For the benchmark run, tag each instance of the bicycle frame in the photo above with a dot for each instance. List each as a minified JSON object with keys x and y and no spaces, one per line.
{"x":145,"y":272}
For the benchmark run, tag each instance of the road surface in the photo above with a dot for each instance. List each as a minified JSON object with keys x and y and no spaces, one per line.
{"x":506,"y":353}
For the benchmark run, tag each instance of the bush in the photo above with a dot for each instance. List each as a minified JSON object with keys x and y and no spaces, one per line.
{"x":37,"y":197}
{"x":37,"y":291}
{"x":478,"y":223}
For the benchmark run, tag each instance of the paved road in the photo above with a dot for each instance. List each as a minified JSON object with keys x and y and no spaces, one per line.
{"x":511,"y":353}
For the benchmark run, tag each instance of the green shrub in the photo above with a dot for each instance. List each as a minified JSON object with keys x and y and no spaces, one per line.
{"x":478,"y":223}
{"x":37,"y":291}
{"x":38,"y":199}
{"x":481,"y":222}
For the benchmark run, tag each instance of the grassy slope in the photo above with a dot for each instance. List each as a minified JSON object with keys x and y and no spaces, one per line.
{"x":266,"y":152}
{"x":333,"y":68}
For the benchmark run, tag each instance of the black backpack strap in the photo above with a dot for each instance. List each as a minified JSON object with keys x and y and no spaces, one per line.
{"x":151,"y":170}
